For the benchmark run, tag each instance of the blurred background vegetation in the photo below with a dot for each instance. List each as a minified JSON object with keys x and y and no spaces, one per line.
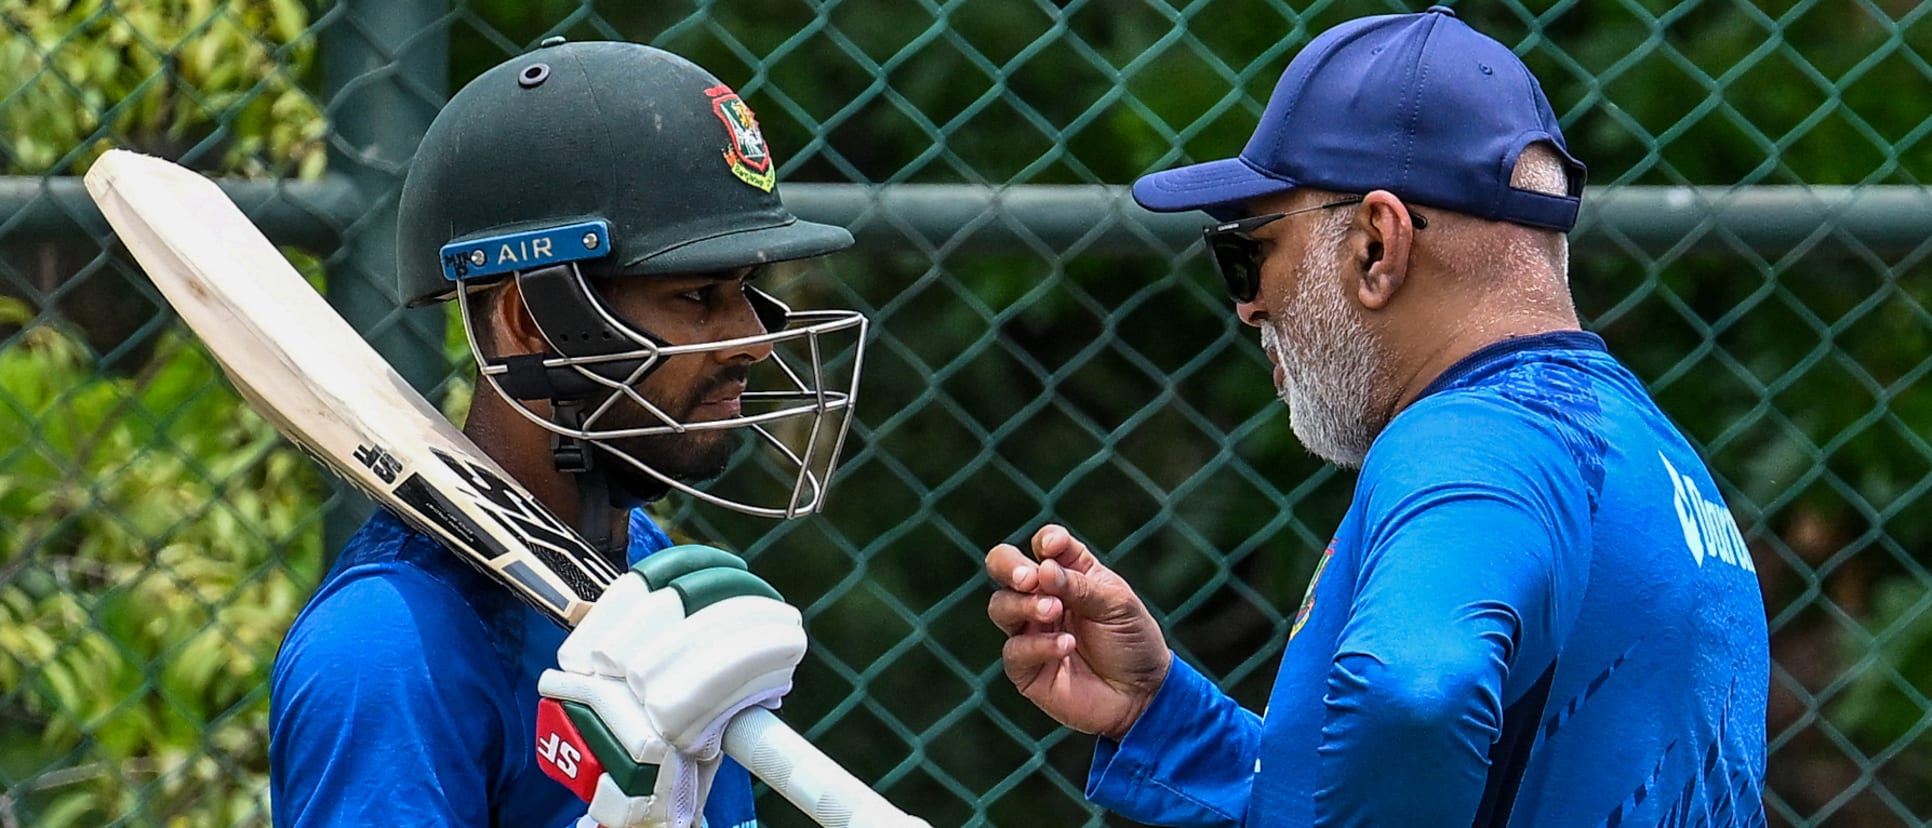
{"x":156,"y":538}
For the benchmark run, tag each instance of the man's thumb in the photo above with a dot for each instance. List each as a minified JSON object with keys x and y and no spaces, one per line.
{"x":1080,"y":591}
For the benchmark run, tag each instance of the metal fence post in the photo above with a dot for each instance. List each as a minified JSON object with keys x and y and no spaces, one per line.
{"x":386,"y":65}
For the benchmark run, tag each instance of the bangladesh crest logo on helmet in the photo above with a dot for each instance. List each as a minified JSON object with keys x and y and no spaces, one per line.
{"x":748,"y":155}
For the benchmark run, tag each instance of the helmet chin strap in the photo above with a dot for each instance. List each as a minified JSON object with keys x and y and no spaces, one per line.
{"x":596,"y":507}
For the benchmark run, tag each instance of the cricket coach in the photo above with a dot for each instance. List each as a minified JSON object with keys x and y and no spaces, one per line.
{"x":1537,"y":610}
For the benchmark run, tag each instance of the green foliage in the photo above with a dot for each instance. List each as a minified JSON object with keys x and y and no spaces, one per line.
{"x":213,"y":82}
{"x":156,"y":539}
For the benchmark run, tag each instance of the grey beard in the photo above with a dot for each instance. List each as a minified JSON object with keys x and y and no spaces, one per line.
{"x":1332,"y":364}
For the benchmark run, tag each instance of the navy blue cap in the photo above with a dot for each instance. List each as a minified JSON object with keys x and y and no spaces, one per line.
{"x":1420,"y":105}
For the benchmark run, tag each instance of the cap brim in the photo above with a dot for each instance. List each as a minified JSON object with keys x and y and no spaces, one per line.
{"x":779,"y":243}
{"x":1217,"y":187}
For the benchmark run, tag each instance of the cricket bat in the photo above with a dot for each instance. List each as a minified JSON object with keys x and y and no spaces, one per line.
{"x":325,"y":389}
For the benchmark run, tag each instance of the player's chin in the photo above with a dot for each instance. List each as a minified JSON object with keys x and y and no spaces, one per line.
{"x":696,"y":456}
{"x":711,"y":453}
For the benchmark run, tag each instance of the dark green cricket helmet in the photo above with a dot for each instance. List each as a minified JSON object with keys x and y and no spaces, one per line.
{"x":625,"y":158}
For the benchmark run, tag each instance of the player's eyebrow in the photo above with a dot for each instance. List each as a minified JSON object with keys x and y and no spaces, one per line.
{"x":744,"y":273}
{"x":671,"y":282}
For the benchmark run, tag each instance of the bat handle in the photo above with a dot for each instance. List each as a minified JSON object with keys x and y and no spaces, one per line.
{"x":801,"y":773}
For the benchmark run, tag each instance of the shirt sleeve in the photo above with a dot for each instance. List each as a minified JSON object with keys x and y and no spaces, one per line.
{"x":647,"y":538}
{"x":365,"y":730}
{"x":1188,"y":761}
{"x":1474,"y":558}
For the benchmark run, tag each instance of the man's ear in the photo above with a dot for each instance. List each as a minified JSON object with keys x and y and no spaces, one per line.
{"x":512,"y":328}
{"x":1380,"y":248}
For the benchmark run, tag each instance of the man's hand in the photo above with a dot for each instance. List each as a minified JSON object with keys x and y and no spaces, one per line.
{"x":634,"y":718}
{"x":1080,"y":644}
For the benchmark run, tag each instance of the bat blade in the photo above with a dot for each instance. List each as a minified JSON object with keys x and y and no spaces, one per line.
{"x":302,"y":367}
{"x":324,"y":388}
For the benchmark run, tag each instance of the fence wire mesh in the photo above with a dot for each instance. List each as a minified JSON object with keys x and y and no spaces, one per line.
{"x":156,"y":539}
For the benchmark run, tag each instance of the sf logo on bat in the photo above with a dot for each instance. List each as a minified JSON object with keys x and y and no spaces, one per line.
{"x":335,"y":467}
{"x":379,"y":462}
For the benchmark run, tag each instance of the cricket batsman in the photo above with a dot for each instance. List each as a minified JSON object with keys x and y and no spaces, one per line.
{"x":601,"y":213}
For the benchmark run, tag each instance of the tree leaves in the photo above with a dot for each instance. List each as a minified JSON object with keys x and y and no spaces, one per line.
{"x":159,"y":538}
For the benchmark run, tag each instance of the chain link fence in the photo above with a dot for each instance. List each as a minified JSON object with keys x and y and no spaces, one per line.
{"x":1753,"y":245}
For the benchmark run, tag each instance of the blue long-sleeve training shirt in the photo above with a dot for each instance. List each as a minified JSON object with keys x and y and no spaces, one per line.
{"x":1537,"y":611}
{"x":406,"y":694}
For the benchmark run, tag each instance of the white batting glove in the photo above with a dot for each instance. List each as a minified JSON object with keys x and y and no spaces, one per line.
{"x":649,"y":680}
{"x":606,"y":750}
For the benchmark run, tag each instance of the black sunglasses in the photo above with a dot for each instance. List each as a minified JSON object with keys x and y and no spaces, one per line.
{"x":1237,"y":253}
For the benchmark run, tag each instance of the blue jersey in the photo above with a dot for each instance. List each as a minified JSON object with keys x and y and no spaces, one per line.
{"x":406,"y":694}
{"x":1537,"y":611}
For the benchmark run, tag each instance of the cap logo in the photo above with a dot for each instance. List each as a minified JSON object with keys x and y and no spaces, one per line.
{"x":748,"y":156}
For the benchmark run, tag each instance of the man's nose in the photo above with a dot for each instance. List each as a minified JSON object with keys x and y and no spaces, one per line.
{"x":744,"y":323}
{"x":1250,"y":313}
